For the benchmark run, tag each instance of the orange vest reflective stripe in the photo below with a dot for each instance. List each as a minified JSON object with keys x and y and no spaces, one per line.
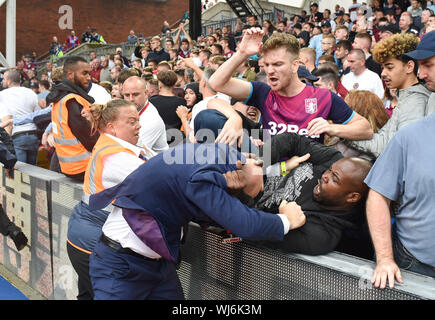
{"x":104,"y":147}
{"x":73,"y":156}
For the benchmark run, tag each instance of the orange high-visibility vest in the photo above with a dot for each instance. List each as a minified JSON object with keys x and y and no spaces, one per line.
{"x":73,"y":156}
{"x":104,"y":147}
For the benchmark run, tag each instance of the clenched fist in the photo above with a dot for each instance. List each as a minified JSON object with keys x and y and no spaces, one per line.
{"x":294,"y":214}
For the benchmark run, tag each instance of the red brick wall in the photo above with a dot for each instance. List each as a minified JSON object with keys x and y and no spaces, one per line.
{"x":37,"y":23}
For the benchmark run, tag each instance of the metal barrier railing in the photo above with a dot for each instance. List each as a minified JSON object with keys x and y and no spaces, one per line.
{"x":41,"y":201}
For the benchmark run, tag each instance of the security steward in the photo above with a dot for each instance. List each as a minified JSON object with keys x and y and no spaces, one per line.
{"x":114,"y":157}
{"x":72,"y":132}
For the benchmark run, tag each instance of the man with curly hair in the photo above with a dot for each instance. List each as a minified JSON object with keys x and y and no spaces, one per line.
{"x":399,"y":72}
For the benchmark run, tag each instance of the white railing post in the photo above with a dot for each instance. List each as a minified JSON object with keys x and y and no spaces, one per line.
{"x":11,"y":19}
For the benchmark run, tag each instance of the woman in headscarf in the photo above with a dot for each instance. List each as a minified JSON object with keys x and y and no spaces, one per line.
{"x":192,"y":97}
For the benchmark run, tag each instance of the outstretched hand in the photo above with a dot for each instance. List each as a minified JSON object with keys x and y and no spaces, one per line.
{"x":252,"y":41}
{"x":295,"y":161}
{"x":232,"y":132}
{"x":319,"y":125}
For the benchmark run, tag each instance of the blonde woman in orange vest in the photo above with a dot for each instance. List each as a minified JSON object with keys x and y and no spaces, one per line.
{"x":114,"y":156}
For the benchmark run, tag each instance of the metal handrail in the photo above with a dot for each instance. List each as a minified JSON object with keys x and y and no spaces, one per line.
{"x":40,"y":65}
{"x":232,"y":21}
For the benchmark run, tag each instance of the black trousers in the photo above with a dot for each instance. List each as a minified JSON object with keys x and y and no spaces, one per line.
{"x":80,"y":263}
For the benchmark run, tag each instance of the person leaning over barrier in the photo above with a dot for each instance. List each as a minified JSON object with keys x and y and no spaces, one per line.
{"x":404,"y":173}
{"x":190,"y":182}
{"x":328,"y":187}
{"x":114,"y":156}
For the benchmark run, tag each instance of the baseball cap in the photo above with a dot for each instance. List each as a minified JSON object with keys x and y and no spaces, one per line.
{"x":304,"y":35}
{"x":425,"y":49}
{"x":303,"y":72}
{"x":314,"y":4}
{"x":325,"y":23}
{"x":34,"y":85}
{"x":339,"y":13}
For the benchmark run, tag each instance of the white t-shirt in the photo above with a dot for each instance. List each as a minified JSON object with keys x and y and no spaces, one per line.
{"x":368,"y":80}
{"x":100,"y":95}
{"x":16,"y":102}
{"x":153,"y":131}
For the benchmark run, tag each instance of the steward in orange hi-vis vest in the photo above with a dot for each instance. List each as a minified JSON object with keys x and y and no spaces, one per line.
{"x":73,"y":156}
{"x":104,"y":147}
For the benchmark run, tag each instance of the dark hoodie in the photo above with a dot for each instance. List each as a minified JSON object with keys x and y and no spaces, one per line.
{"x":79,"y":126}
{"x":323,"y":229}
{"x":159,"y":56}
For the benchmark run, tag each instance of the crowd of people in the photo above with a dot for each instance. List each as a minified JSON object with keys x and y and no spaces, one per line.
{"x":57,"y":49}
{"x":320,"y":119}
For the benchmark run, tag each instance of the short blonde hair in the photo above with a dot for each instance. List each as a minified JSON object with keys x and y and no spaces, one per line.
{"x":282,"y":40}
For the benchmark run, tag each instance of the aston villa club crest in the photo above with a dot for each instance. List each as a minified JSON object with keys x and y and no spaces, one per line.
{"x":311,"y":105}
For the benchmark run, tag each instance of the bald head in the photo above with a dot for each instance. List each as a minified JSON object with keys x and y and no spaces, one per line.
{"x":135,"y":81}
{"x":342,"y":185}
{"x":357,"y":170}
{"x":134,"y":90}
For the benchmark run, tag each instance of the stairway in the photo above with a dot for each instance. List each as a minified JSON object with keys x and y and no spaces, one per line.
{"x":244,"y":8}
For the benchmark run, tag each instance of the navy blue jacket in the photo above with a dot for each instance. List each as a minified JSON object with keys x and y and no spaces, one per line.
{"x":183,"y":184}
{"x":161,"y":55}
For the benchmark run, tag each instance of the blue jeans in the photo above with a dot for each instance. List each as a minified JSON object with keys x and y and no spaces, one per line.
{"x":26,"y":148}
{"x":406,"y":261}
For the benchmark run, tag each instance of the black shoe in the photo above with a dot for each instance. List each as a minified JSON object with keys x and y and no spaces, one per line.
{"x":19,"y":239}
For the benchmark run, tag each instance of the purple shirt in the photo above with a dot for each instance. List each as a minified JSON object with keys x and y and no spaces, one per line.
{"x":281,"y":114}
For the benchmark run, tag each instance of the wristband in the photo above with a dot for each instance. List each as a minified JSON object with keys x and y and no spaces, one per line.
{"x":283,"y":169}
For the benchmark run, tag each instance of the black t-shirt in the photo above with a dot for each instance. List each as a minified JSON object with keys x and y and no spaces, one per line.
{"x":167,"y":107}
{"x":372,"y":65}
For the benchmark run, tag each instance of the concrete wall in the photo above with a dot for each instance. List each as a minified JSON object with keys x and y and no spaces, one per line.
{"x":39,"y":21}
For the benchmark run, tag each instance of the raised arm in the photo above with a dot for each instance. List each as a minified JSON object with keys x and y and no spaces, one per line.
{"x":188,"y":37}
{"x":188,"y":62}
{"x":222,"y":80}
{"x":177,"y":36}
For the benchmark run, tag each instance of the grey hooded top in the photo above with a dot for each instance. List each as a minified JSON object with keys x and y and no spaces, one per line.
{"x":412,"y":105}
